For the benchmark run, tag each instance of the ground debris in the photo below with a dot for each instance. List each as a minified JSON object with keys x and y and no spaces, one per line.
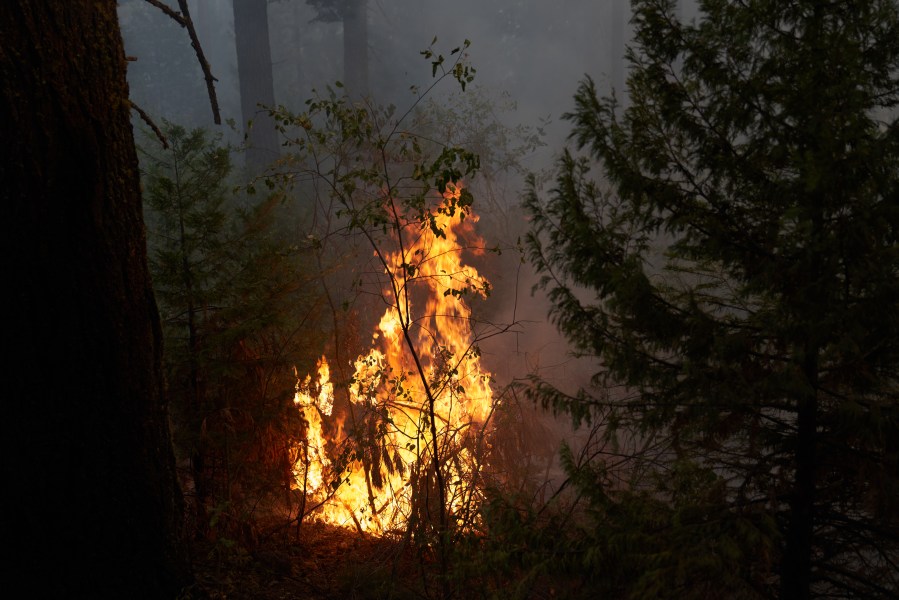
{"x":326,"y":563}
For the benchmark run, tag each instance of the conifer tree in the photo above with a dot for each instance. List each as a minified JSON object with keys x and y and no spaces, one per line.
{"x":237,"y":316}
{"x":726,"y":247}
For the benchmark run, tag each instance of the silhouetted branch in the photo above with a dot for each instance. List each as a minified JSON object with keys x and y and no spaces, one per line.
{"x":146,"y":118}
{"x":183,"y":19}
{"x":167,"y":10}
{"x":207,"y":74}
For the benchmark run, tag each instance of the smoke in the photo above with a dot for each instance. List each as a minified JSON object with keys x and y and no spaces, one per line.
{"x":533,"y":53}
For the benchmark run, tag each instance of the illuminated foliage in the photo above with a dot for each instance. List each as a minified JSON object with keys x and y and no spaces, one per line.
{"x":415,"y":410}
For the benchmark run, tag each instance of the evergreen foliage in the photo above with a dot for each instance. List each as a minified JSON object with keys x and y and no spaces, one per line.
{"x":237,"y":318}
{"x":726,"y":247}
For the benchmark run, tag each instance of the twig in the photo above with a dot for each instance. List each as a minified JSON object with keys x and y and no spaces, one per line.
{"x":146,"y":118}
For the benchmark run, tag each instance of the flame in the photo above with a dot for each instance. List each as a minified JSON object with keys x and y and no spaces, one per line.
{"x":388,"y":446}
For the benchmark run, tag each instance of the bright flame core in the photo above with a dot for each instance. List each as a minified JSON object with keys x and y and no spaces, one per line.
{"x":372,"y":470}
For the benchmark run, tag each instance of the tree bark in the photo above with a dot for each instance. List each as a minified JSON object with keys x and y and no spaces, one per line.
{"x":796,"y":564}
{"x":91,"y":504}
{"x":254,"y":68}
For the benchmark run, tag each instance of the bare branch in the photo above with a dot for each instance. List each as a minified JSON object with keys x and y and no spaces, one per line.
{"x":183,"y":19}
{"x":207,"y":73}
{"x":167,"y":10}
{"x":146,"y":118}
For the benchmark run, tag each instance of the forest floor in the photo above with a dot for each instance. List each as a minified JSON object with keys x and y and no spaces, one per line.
{"x":326,"y":563}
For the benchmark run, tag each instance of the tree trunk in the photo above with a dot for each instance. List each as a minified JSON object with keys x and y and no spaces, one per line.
{"x":796,"y":565}
{"x":254,"y":68}
{"x":355,"y":48}
{"x":616,"y":48}
{"x":91,"y":503}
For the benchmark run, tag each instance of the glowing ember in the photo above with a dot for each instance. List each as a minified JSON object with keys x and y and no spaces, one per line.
{"x":367,"y":476}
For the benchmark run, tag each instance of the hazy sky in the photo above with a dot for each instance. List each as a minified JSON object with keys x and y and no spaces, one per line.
{"x":536,"y":50}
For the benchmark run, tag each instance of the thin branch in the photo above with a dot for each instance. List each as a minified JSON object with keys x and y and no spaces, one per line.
{"x":179,"y":19}
{"x":204,"y":64}
{"x":146,"y":118}
{"x":183,"y":19}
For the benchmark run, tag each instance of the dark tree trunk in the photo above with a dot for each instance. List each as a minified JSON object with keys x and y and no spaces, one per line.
{"x":254,"y":68}
{"x":797,"y":575}
{"x":91,"y":506}
{"x":796,"y":564}
{"x":355,"y":48}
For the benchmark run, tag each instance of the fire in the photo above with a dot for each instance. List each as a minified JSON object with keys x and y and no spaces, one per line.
{"x":367,"y":468}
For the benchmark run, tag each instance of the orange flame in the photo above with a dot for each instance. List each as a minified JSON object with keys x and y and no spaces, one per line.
{"x":390,"y":442}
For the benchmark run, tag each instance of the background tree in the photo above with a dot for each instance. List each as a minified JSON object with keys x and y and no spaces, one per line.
{"x":737,"y":278}
{"x":91,"y":494}
{"x":617,"y":22}
{"x":254,"y":67}
{"x":354,"y":16}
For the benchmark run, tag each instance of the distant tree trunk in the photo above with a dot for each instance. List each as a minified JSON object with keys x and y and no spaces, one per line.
{"x":299,"y":20}
{"x":254,"y":68}
{"x":355,"y":48}
{"x":616,"y":47}
{"x":91,"y":506}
